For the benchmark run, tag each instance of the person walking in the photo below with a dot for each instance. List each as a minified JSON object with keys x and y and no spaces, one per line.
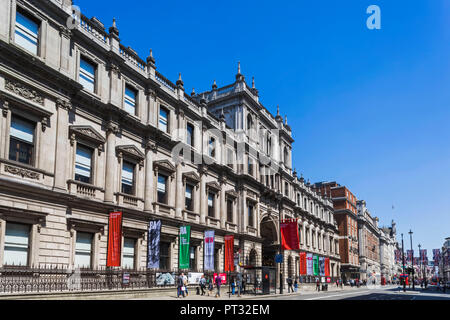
{"x":210,"y":286}
{"x":233,"y":286}
{"x":318,"y":284}
{"x":203,"y":284}
{"x":289,"y":282}
{"x":185,"y":282}
{"x":180,"y":291}
{"x":295,"y":285}
{"x":239,"y":284}
{"x":218,"y":282}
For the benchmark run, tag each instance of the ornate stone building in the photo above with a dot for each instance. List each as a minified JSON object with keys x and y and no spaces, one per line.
{"x":388,"y":245}
{"x":369,"y":243}
{"x":88,"y":127}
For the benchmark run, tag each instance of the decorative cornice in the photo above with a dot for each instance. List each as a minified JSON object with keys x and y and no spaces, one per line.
{"x":151,"y":146}
{"x":213,"y":185}
{"x":63,"y":104}
{"x":165,"y":165}
{"x":24,"y":173}
{"x":24,"y":91}
{"x":131,"y":151}
{"x":191,"y":176}
{"x":112,"y":127}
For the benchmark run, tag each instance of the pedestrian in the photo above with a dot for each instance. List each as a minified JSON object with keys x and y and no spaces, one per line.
{"x":185,"y":282}
{"x":210,"y":286}
{"x":218,"y":282}
{"x":244,"y":282}
{"x":180,"y":291}
{"x":289,"y":282}
{"x":318,"y":285}
{"x":295,"y":285}
{"x":203,"y":284}
{"x":233,"y":286}
{"x":239,"y":284}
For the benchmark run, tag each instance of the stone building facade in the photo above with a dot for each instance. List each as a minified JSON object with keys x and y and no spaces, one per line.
{"x":388,"y":245}
{"x":369,"y":243}
{"x":88,"y":127}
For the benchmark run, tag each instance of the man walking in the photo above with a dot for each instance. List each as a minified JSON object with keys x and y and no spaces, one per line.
{"x":203,"y":284}
{"x":180,"y":284}
{"x":318,"y":285}
{"x":289,"y":282}
{"x":218,"y":281}
{"x":239,"y":284}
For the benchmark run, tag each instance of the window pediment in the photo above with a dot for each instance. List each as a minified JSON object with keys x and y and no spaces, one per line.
{"x":191,"y":177}
{"x":87,"y":133}
{"x":131,"y":151}
{"x":213,"y":186}
{"x":232,"y":194}
{"x":164,"y":165}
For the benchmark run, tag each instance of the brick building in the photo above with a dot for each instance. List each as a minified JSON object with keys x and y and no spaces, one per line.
{"x":345,"y":213}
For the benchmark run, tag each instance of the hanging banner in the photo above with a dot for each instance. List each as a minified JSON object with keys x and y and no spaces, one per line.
{"x":436,"y":256}
{"x":309,"y":264}
{"x":302,"y":263}
{"x":153,"y":240}
{"x":327,"y":267}
{"x":416,"y":261}
{"x":185,"y":237}
{"x":316,"y":265}
{"x":398,"y":256}
{"x":114,"y":239}
{"x":209,"y":250}
{"x":289,"y":235}
{"x":322,"y":266}
{"x":409,"y":255}
{"x":423,"y":256}
{"x":229,"y":253}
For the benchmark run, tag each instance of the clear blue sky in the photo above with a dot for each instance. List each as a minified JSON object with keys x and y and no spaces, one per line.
{"x":368,"y":108}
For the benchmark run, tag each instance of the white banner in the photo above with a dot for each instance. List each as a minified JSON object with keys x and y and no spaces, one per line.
{"x":209,"y":250}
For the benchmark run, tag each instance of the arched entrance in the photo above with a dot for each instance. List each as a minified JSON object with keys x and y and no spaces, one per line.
{"x":270,"y":239}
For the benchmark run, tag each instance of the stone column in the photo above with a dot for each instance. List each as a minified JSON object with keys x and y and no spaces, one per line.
{"x":179,"y":195}
{"x":244,"y":216}
{"x":61,"y":145}
{"x":111,"y":163}
{"x":203,"y":171}
{"x":223,"y":207}
{"x":148,"y":196}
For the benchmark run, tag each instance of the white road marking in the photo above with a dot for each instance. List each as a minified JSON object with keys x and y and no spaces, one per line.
{"x":339,"y":295}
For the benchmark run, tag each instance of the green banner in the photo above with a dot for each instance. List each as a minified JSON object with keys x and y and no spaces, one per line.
{"x":316,"y":265}
{"x":185,"y":237}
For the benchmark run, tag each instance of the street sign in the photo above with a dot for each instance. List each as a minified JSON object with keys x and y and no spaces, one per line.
{"x":279,"y":258}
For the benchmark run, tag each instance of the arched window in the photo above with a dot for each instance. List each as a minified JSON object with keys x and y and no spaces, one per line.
{"x":249,"y":122}
{"x":269,"y":145}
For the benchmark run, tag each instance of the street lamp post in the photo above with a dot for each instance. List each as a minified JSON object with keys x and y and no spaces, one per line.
{"x":403,"y":259}
{"x":420,"y":264}
{"x":412,"y":262}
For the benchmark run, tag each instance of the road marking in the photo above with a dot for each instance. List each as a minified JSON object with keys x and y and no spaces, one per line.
{"x":339,"y":295}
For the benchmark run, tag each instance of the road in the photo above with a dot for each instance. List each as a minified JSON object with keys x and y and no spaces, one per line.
{"x":367,"y":293}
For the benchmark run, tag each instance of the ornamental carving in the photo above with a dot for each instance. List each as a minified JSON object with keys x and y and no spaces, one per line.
{"x":163,"y":164}
{"x":87,"y":132}
{"x":24,"y":91}
{"x":22,"y":172}
{"x":191,"y":176}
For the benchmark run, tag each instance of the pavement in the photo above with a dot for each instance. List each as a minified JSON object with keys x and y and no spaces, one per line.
{"x":347,"y":293}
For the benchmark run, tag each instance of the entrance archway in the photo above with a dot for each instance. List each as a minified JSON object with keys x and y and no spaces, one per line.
{"x":270,"y":239}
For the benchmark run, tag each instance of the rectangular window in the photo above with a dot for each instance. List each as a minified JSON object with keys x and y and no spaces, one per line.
{"x":190,"y":134}
{"x":83,"y":250}
{"x":211,"y":204}
{"x":250,"y":215}
{"x":130,"y":100}
{"x":26,"y":33}
{"x":230,"y":159}
{"x":21,"y":146}
{"x":164,"y":259}
{"x":83,"y":164}
{"x":230,"y":210}
{"x":212,"y":147}
{"x":87,"y":75}
{"x":250,"y":167}
{"x":163,"y":119}
{"x":162,"y":183}
{"x":128,"y":253}
{"x":127,"y":178}
{"x":286,"y":189}
{"x":192,"y":256}
{"x":188,"y":196}
{"x":16,"y":244}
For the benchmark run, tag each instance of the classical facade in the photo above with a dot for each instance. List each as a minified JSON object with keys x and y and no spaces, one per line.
{"x":388,"y":245}
{"x":369,"y":243}
{"x":88,"y":127}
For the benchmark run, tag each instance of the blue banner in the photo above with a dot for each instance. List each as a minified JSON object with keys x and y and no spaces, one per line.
{"x":153,"y":240}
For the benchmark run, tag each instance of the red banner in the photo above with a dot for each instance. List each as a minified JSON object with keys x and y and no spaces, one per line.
{"x":289,"y":235}
{"x":114,"y":239}
{"x":303,"y":263}
{"x":229,"y":253}
{"x":327,"y":267}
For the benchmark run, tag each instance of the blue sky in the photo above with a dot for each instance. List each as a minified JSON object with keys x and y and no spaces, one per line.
{"x":368,"y":108}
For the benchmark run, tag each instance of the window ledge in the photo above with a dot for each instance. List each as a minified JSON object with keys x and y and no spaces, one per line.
{"x":84,"y":184}
{"x":25,"y":166}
